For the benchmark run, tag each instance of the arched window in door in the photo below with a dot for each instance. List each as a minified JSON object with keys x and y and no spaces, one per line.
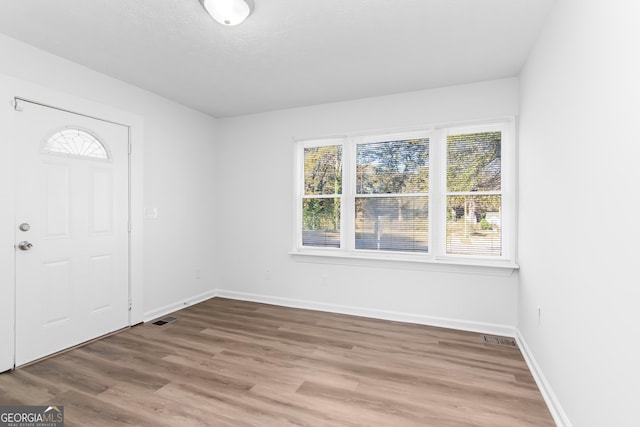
{"x":76,"y":143}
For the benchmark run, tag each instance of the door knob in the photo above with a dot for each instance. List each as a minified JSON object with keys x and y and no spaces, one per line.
{"x":24,"y":245}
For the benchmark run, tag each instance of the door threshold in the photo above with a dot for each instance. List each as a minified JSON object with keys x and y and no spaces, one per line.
{"x":82,"y":344}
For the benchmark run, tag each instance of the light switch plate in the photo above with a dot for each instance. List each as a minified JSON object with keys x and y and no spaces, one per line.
{"x":151,"y":213}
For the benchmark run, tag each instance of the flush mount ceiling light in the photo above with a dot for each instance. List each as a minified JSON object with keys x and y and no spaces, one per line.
{"x":228,"y":12}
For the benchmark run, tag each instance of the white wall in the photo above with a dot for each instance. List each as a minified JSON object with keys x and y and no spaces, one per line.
{"x":579,"y":200}
{"x":179,"y":146}
{"x":255,"y":176}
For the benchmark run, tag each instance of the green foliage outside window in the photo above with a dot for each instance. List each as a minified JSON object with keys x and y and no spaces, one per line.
{"x":322,"y":176}
{"x":393,"y":167}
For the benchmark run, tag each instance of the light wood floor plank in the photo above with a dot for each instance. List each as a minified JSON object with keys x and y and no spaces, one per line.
{"x":237,"y":363}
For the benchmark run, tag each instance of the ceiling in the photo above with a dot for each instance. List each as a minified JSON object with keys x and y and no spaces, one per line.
{"x":288,"y":53}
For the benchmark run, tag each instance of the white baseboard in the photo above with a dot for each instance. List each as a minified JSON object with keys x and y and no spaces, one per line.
{"x":558,"y":414}
{"x":465,"y":325}
{"x":163,"y":311}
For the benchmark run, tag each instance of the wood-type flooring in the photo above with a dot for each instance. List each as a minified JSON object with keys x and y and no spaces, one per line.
{"x":235,"y":363}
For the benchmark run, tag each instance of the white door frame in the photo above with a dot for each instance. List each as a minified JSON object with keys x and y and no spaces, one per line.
{"x":8,"y":175}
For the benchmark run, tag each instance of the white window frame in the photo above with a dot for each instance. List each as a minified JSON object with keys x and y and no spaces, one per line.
{"x":437,"y":195}
{"x":353,"y":143}
{"x":299,"y":192}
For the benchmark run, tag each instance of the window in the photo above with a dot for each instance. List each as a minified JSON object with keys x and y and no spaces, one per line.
{"x":76,"y":143}
{"x":321,"y":207}
{"x":474,"y":200}
{"x":392,"y":195}
{"x":439,"y":195}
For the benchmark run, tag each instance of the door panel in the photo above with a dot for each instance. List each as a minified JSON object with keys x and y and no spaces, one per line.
{"x":72,"y":284}
{"x":56,"y":295}
{"x":56,"y":188}
{"x":101,"y":213}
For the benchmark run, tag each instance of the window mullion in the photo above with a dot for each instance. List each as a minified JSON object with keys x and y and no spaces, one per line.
{"x":348,"y":194}
{"x":299,"y":194}
{"x":508,"y":184}
{"x":473,"y":193}
{"x":437,"y":211}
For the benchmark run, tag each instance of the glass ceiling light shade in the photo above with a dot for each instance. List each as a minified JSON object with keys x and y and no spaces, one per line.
{"x":228,"y":12}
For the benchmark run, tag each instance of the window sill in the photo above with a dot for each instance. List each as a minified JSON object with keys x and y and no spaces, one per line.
{"x":408,"y":262}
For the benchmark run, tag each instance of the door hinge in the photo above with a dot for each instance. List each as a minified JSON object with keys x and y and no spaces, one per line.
{"x":130,"y":147}
{"x":130,"y":305}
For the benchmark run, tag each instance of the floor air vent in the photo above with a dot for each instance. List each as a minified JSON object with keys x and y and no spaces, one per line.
{"x":164,"y":321}
{"x":507,"y":342}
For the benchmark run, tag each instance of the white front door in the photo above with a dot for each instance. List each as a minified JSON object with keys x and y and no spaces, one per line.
{"x":72,"y":218}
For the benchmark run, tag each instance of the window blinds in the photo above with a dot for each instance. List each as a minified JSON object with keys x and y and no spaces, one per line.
{"x":392,"y":204}
{"x":474,"y":198}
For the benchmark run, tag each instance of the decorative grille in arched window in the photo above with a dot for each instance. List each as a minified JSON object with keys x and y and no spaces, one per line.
{"x":76,"y":143}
